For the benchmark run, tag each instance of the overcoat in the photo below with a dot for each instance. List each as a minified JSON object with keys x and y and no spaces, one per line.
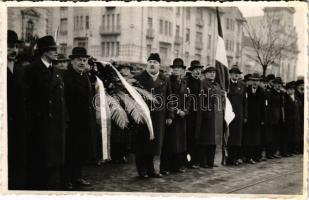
{"x":210,"y":118}
{"x":81,"y":132}
{"x":46,"y":110}
{"x":161,"y":89}
{"x":175,"y":140}
{"x":17,"y":128}
{"x":237,"y":97}
{"x":301,"y":113}
{"x":253,"y":127}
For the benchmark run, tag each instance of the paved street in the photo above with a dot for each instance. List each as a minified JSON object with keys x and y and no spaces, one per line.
{"x":276,"y":176}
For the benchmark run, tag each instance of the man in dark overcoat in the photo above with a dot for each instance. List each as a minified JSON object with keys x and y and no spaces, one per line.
{"x":81,"y":130}
{"x":174,"y":149}
{"x":46,"y":109}
{"x":194,"y":84}
{"x":237,"y":97}
{"x":252,"y":128}
{"x":17,"y":124}
{"x":210,"y":119}
{"x":155,"y":82}
{"x":299,"y":93}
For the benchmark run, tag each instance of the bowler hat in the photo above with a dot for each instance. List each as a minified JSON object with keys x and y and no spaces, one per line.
{"x":178,"y":63}
{"x":195,"y":64}
{"x":290,"y":85}
{"x":255,"y":76}
{"x":61,"y":58}
{"x":278,"y":80}
{"x":209,"y":69}
{"x":299,"y":82}
{"x":121,"y":66}
{"x":46,"y":43}
{"x":247,"y":76}
{"x":78,"y":52}
{"x":235,"y":70}
{"x":270,"y":77}
{"x":154,"y":56}
{"x":12,"y":37}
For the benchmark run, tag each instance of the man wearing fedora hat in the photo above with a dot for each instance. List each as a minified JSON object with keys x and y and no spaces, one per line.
{"x":17,"y":138}
{"x":81,"y":131}
{"x":209,"y":120}
{"x":255,"y":120}
{"x":194,"y":85}
{"x":61,"y":62}
{"x":237,"y":97}
{"x":174,"y":149}
{"x":159,"y":85}
{"x":45,"y":101}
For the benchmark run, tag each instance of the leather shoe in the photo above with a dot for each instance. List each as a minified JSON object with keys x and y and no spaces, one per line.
{"x":143,"y":175}
{"x":193,"y":167}
{"x":276,"y":156}
{"x":251,"y":161}
{"x":155,"y":175}
{"x":82,"y":182}
{"x":165,"y":173}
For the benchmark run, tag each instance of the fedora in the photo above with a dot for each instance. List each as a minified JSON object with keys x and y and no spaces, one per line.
{"x":12,"y":37}
{"x":255,"y":76}
{"x":46,"y":43}
{"x":235,"y":70}
{"x":195,"y":64}
{"x":79,"y":52}
{"x":178,"y":63}
{"x":278,"y":80}
{"x":209,"y":69}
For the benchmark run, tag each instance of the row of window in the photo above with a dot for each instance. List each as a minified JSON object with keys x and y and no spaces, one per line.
{"x":111,"y":21}
{"x":165,"y":27}
{"x":80,"y":24}
{"x":110,"y":49}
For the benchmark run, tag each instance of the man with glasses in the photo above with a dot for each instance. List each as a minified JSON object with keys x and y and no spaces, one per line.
{"x":82,"y":125}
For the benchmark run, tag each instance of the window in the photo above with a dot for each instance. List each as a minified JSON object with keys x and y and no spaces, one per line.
{"x":112,"y":49}
{"x":209,"y":19}
{"x":148,"y":49}
{"x":187,"y":57}
{"x":208,"y":60}
{"x":118,"y":21}
{"x":63,"y":26}
{"x":199,"y":13}
{"x":150,"y":22}
{"x":108,"y":22}
{"x":161,"y":26}
{"x":227,"y":23}
{"x":117,"y":49}
{"x":81,"y":22}
{"x":238,"y":48}
{"x":199,"y":37}
{"x":166,"y":28}
{"x":113,"y":21}
{"x":103,"y":21}
{"x":87,"y":22}
{"x":226,"y":44}
{"x":103,"y":49}
{"x":170,"y":28}
{"x":178,"y":11}
{"x":188,"y":13}
{"x":209,"y":42}
{"x":107,"y":49}
{"x":77,"y":23}
{"x":29,"y":30}
{"x":177,"y":30}
{"x":187,"y":35}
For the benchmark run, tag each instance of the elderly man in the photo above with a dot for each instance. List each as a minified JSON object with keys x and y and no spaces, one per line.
{"x":237,"y":97}
{"x":155,"y":82}
{"x":45,"y":101}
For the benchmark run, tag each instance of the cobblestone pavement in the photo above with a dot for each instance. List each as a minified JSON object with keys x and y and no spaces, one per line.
{"x":276,"y":176}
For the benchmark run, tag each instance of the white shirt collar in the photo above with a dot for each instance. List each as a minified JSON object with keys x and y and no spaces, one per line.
{"x":10,"y":66}
{"x":46,"y":63}
{"x":154,"y":77}
{"x":233,"y":81}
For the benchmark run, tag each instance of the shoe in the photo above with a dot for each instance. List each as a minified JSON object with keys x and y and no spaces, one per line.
{"x":124,"y":160}
{"x":251,"y":161}
{"x":270,"y":157}
{"x":82,"y":182}
{"x":143,"y":175}
{"x":204,"y":166}
{"x":68,"y":186}
{"x":276,"y":156}
{"x":180,"y":170}
{"x":236,"y":163}
{"x":155,"y":175}
{"x":165,"y":173}
{"x":193,"y":167}
{"x":240,"y":161}
{"x":214,"y":165}
{"x":263,"y":159}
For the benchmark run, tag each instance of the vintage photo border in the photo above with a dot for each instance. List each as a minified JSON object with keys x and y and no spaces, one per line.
{"x":129,"y":195}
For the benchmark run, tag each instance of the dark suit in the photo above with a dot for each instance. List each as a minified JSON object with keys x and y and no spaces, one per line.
{"x":146,"y":149}
{"x":80,"y":144}
{"x":17,"y":128}
{"x":46,"y":108}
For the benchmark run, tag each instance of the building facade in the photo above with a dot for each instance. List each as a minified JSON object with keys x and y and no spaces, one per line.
{"x":130,"y":34}
{"x":283,"y":28}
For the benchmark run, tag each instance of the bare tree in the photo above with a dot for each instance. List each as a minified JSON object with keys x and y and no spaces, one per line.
{"x":268,"y":39}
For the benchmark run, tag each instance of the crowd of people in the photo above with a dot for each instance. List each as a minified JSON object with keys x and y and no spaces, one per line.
{"x":53,"y":130}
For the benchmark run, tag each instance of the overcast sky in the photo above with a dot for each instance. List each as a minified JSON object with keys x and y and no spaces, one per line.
{"x":299,"y":20}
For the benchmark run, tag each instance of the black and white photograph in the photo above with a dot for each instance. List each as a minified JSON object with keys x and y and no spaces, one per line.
{"x":179,"y":98}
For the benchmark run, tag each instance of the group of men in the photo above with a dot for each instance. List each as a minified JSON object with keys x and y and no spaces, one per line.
{"x":52,"y":130}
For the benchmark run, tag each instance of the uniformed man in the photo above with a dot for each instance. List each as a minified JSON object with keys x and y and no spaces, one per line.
{"x":210,"y":119}
{"x":46,"y":110}
{"x":194,"y":84}
{"x":237,"y":97}
{"x":159,"y":85}
{"x":81,"y":131}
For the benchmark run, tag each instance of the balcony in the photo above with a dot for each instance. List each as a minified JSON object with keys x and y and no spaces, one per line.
{"x":199,"y":44}
{"x":178,"y":40}
{"x":150,"y":33}
{"x":110,"y":31}
{"x":199,"y":22}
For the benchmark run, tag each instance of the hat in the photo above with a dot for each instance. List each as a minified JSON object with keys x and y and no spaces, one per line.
{"x":235,"y":70}
{"x":154,"y":56}
{"x":209,"y":69}
{"x":290,"y":85}
{"x":264,"y":79}
{"x":247,"y":76}
{"x":299,"y":82}
{"x":46,"y":43}
{"x":61,"y":58}
{"x":12,"y":37}
{"x":79,"y":52}
{"x":120,"y":66}
{"x":178,"y":62}
{"x":255,"y":76}
{"x":270,"y":77}
{"x":278,"y":80}
{"x":195,"y":64}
